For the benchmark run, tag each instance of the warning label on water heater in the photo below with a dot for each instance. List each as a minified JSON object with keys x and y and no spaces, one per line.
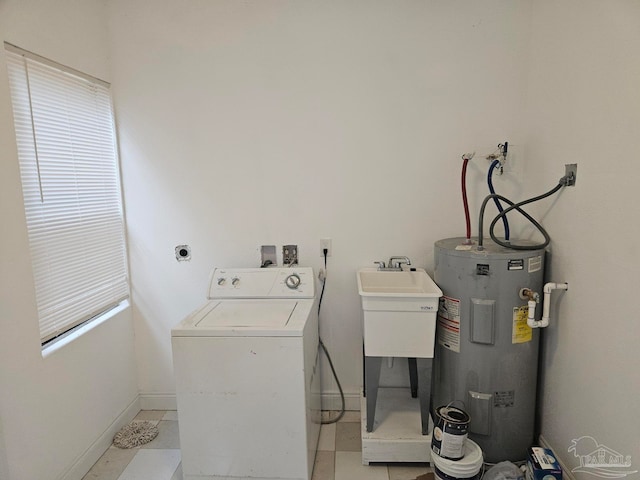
{"x":521,"y":332}
{"x":449,"y":323}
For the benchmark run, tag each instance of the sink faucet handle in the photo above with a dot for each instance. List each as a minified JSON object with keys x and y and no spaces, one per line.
{"x":398,"y":261}
{"x":381,"y":265}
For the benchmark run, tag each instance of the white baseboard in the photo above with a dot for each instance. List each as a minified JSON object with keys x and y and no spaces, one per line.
{"x":332,"y":401}
{"x":158,"y":401}
{"x":85,"y":461}
{"x":567,"y":474}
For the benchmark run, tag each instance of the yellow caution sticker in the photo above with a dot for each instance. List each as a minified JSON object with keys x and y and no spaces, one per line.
{"x":521,"y":332}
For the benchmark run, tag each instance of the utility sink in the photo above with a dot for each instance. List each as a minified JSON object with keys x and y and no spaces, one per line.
{"x":400,"y":310}
{"x":380,"y":283}
{"x":408,"y":290}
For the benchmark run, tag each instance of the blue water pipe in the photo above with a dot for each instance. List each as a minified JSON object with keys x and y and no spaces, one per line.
{"x":494,"y":164}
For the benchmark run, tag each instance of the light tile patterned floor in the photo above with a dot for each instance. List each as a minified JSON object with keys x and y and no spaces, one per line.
{"x":339,"y":455}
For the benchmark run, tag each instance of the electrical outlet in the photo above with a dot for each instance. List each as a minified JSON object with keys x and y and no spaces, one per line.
{"x":571,"y":171}
{"x":325,"y":243}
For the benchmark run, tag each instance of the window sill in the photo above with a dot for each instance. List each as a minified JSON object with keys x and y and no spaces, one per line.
{"x":50,"y":349}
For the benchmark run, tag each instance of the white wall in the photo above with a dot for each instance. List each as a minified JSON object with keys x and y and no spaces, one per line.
{"x":251,"y":123}
{"x":584,"y":108}
{"x":4,"y":466}
{"x":57,"y":413}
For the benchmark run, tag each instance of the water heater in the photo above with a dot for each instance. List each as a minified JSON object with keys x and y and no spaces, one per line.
{"x":486,"y":356}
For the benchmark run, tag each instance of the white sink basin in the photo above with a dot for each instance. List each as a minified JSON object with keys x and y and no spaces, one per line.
{"x":378,"y":283}
{"x":399,"y":312}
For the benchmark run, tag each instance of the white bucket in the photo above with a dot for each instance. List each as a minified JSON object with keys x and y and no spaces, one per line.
{"x":468,"y":467}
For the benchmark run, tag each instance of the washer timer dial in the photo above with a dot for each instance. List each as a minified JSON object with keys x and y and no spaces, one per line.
{"x":293,"y":281}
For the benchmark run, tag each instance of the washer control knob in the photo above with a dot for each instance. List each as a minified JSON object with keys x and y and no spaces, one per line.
{"x":222,"y":281}
{"x":235,"y":281}
{"x":293,"y":281}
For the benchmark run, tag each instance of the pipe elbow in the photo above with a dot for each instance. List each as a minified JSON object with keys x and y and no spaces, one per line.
{"x":549,"y":287}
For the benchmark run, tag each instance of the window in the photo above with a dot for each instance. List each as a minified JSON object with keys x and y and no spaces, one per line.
{"x":71,"y":186}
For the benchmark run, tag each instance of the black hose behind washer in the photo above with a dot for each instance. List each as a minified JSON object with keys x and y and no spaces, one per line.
{"x":326,"y":352}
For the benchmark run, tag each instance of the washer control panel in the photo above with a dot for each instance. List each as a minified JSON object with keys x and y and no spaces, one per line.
{"x":294,"y":282}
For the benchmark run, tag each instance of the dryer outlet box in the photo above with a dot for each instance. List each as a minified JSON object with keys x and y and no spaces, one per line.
{"x":268,"y":256}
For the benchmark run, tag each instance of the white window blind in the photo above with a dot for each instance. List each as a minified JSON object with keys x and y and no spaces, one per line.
{"x":71,"y":184}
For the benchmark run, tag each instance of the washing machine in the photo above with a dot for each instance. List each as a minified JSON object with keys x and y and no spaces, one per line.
{"x":247,"y":376}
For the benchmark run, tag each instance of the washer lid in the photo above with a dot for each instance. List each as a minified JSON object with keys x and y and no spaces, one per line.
{"x":248,"y":318}
{"x":255,"y":313}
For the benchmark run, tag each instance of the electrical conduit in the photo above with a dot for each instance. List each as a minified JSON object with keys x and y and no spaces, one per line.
{"x":517,"y":206}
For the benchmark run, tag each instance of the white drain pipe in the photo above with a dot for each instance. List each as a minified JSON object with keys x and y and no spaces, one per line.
{"x":546,"y":303}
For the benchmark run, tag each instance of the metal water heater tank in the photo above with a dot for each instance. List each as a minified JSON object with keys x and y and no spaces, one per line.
{"x":486,"y":357}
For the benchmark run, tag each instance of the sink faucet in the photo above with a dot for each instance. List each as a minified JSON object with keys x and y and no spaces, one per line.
{"x":396,"y":262}
{"x":394,"y":265}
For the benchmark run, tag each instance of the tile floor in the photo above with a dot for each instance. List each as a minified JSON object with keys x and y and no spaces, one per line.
{"x":339,"y":455}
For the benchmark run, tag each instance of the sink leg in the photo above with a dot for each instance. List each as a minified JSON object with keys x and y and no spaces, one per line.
{"x":364,"y":372}
{"x":372,"y":380}
{"x":424,"y":370}
{"x":413,"y":376}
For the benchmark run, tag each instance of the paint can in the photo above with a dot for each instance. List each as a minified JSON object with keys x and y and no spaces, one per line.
{"x":450,"y":432}
{"x":467,"y":468}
